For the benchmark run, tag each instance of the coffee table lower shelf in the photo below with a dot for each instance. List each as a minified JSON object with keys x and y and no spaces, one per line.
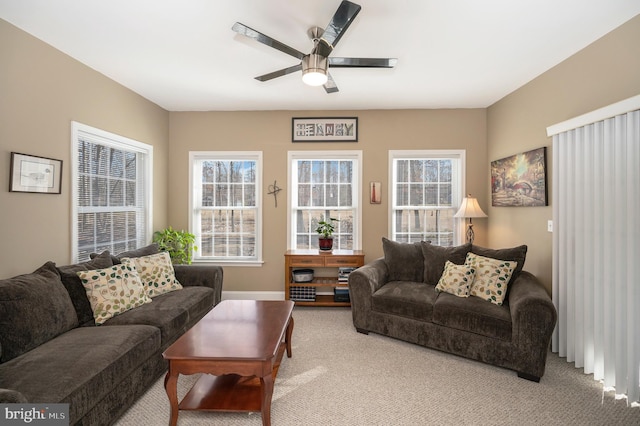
{"x":229,"y":392}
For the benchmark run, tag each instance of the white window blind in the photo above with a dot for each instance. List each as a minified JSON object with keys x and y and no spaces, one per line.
{"x":111,"y":184}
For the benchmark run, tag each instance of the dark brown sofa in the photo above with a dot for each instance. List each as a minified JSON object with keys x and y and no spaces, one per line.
{"x":51,"y":350}
{"x":395,"y":296}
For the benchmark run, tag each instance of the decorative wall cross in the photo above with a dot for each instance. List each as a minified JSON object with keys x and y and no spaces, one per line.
{"x":273,"y":190}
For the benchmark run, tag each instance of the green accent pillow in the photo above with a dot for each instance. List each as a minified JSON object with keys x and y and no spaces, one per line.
{"x":113,"y":291}
{"x":156,"y":273}
{"x":492,"y":277}
{"x":456,"y":279}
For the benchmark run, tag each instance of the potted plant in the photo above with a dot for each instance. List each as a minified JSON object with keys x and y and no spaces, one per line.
{"x":179,"y":244}
{"x":325,"y":231}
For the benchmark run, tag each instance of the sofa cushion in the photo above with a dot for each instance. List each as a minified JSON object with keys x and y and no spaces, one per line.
{"x":34,"y":308}
{"x":152,"y":248}
{"x":435,"y":258}
{"x":516,"y":254}
{"x":82,"y":366}
{"x":77,"y":292}
{"x":404,"y":260}
{"x":456,"y":279}
{"x":491,"y":277}
{"x":473,"y":315}
{"x":405,"y":298}
{"x":112,"y":291}
{"x":173,"y":313}
{"x":155,"y":272}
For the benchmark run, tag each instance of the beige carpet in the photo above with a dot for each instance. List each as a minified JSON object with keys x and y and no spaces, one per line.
{"x":340,"y":377}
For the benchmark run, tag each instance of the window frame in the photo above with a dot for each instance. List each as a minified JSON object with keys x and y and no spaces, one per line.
{"x":353,"y":155}
{"x":194,"y":185}
{"x":457,"y":190}
{"x":112,"y":140}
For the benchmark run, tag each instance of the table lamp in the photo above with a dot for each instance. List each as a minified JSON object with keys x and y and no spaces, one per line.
{"x":470,"y":209}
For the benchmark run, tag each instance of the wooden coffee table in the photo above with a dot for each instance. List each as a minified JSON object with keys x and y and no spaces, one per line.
{"x":239,"y":345}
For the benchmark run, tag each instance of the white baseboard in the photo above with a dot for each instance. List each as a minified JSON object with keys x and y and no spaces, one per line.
{"x":253,"y":295}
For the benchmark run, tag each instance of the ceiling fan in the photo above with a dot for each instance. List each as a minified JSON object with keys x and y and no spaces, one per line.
{"x":314,"y":66}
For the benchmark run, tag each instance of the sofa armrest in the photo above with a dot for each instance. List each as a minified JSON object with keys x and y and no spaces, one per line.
{"x":533,"y":318}
{"x":201,"y":275}
{"x":10,"y":396}
{"x":363,"y":282}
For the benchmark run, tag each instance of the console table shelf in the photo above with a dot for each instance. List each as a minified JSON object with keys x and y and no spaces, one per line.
{"x":295,"y":259}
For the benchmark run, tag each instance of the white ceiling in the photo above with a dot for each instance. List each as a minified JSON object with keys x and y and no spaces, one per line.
{"x":183,"y":55}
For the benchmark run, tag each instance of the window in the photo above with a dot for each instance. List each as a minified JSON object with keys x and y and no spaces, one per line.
{"x":226,"y":211}
{"x":111,"y":192}
{"x":324,"y":184}
{"x":426,"y":190}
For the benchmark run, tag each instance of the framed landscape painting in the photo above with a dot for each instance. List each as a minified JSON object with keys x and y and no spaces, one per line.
{"x":520,"y":180}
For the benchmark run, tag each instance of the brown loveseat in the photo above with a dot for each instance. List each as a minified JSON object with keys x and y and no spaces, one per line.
{"x":52,"y":351}
{"x":396,"y":296}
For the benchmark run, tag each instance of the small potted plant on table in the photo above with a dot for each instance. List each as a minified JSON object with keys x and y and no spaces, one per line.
{"x":325,"y":231}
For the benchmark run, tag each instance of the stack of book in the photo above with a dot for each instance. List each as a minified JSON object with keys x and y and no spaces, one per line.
{"x":341,"y":293}
{"x":343,"y":274}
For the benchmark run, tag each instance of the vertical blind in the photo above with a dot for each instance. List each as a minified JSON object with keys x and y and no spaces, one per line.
{"x":596,"y":250}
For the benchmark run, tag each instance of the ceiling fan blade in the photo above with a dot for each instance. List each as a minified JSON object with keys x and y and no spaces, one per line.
{"x":362,"y":62}
{"x":279,"y":73}
{"x":265,"y":39}
{"x":341,"y":20}
{"x":330,"y":86}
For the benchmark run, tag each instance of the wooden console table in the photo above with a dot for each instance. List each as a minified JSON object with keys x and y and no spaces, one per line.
{"x":296,"y":259}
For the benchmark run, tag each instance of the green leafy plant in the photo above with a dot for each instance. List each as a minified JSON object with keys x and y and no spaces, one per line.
{"x":326,"y":228}
{"x":179,"y":244}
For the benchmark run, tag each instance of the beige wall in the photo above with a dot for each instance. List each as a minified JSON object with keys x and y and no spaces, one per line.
{"x":603,"y":73}
{"x":270,"y":132}
{"x":41,"y":91}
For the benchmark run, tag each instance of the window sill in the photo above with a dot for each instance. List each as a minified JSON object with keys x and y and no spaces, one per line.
{"x":241,"y":263}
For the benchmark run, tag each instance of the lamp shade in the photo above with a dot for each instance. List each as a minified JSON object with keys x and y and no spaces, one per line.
{"x":470,"y":208}
{"x":314,"y":70}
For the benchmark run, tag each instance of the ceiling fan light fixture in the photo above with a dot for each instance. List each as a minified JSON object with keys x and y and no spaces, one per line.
{"x":314,"y":69}
{"x":315,"y":66}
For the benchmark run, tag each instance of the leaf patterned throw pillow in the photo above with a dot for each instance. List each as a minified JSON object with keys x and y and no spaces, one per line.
{"x":112,"y":291}
{"x":156,"y":273}
{"x":456,"y":279}
{"x":492,"y":277}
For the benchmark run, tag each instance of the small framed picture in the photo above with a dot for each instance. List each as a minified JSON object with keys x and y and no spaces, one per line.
{"x":30,"y":173}
{"x":375,"y":197}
